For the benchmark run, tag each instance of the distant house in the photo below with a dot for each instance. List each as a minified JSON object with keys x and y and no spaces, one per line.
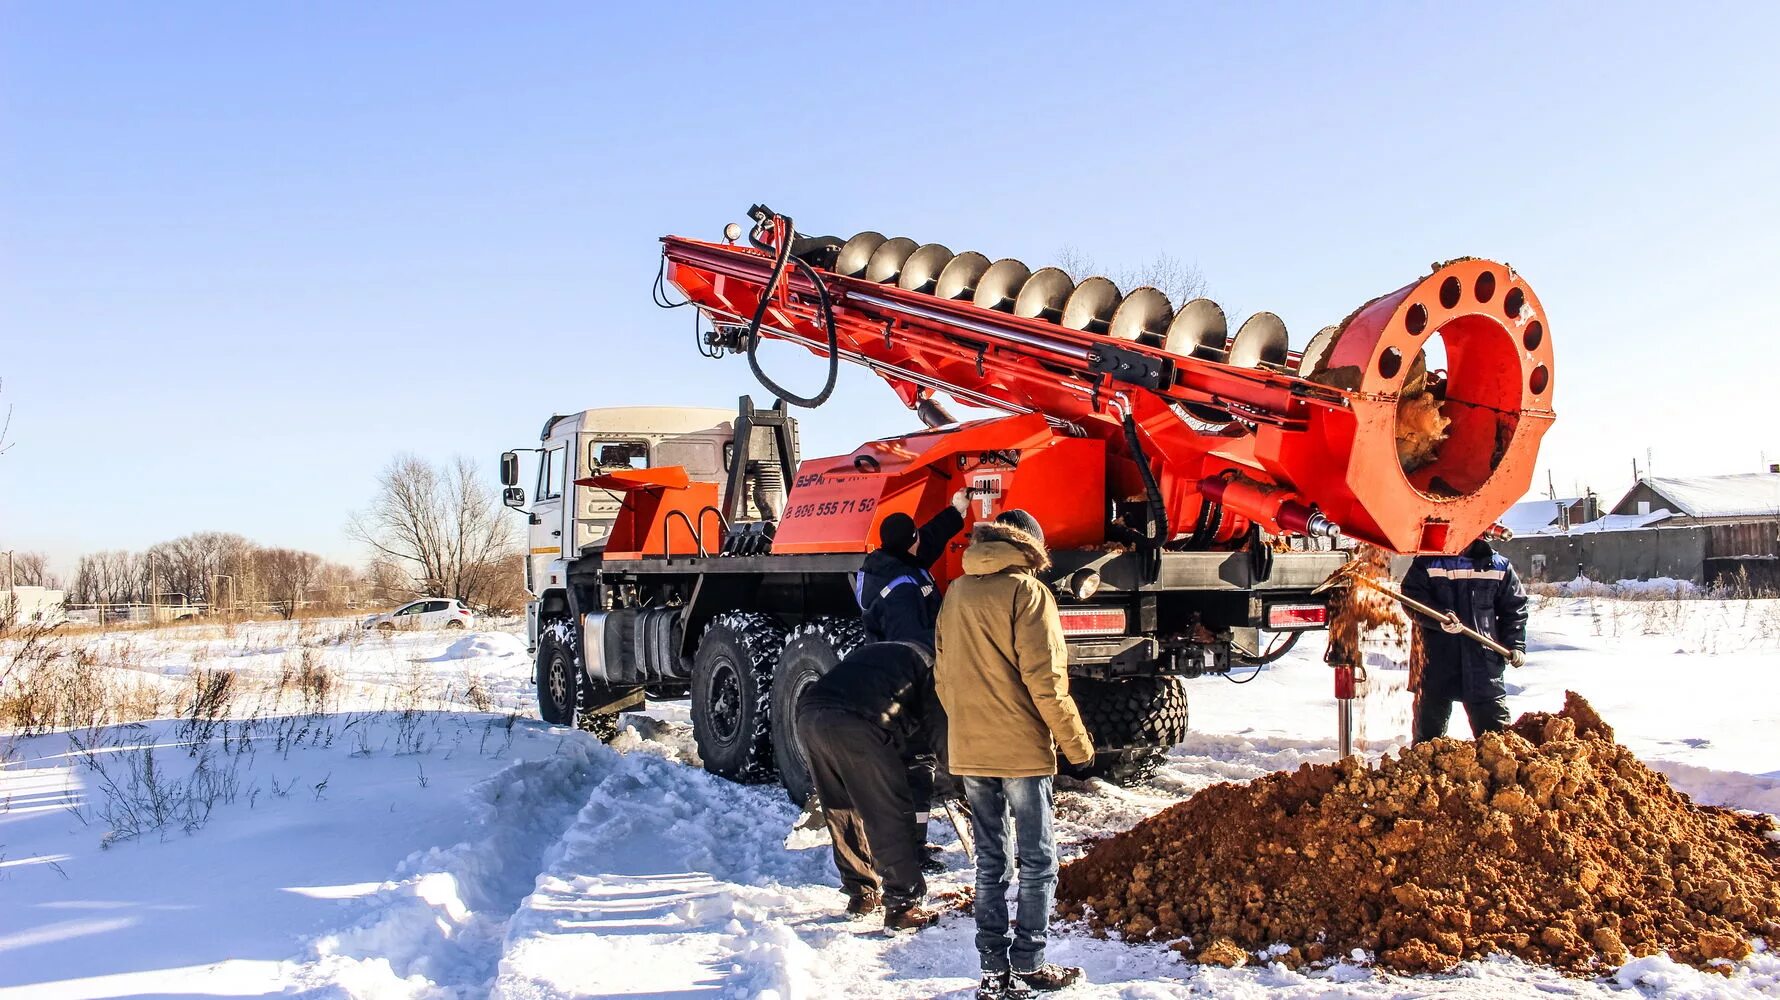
{"x":1753,"y":496}
{"x":1541,"y":517}
{"x":35,"y":604}
{"x":1705,"y":529}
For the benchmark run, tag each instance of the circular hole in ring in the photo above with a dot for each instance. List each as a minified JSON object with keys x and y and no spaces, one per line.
{"x":1513,"y":303}
{"x":1391,"y":361}
{"x":1450,"y":290}
{"x":1417,"y":319}
{"x":1541,"y":378}
{"x":1485,"y":289}
{"x":1534,"y":336}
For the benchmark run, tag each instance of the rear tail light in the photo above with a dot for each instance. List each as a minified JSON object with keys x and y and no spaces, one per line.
{"x":1281,"y":617}
{"x":1092,"y":621}
{"x":464,"y":611}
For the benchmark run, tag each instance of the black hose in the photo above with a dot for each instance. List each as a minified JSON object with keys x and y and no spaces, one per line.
{"x":659,"y":291}
{"x":1152,"y":490}
{"x":782,"y":257}
{"x":1270,"y":656}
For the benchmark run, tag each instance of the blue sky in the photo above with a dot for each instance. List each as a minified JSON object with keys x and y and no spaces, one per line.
{"x":250,"y":251}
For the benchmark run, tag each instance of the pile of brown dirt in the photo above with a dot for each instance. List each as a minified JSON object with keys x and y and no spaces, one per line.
{"x":1550,"y":842}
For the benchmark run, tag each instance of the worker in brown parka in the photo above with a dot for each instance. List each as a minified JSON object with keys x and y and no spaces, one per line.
{"x":1002,"y":674}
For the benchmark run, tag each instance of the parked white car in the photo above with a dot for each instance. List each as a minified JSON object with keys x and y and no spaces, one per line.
{"x":429,"y":612}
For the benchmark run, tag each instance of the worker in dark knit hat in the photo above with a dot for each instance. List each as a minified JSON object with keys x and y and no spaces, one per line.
{"x":900,"y":602}
{"x":895,"y":590}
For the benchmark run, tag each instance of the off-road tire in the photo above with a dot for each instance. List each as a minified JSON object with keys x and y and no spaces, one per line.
{"x":811,"y":650}
{"x":732,"y":695}
{"x":1134,"y":721}
{"x":565,"y":696}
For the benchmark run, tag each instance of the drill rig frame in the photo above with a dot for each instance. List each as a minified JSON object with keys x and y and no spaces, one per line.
{"x":1192,"y":486}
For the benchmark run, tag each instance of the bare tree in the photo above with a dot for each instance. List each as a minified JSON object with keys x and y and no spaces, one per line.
{"x":1180,"y":281}
{"x":288,"y":575}
{"x":31,"y":569}
{"x":195,"y":564}
{"x":441,"y":524}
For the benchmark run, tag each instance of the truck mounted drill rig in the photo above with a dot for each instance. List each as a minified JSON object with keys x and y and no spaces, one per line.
{"x":1191,"y":484}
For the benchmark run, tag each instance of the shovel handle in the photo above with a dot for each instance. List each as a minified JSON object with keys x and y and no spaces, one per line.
{"x":1440,"y":616}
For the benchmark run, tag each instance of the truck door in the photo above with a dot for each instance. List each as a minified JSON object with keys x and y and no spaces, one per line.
{"x":545,"y":535}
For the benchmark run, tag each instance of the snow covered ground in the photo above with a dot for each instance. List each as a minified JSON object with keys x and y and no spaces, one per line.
{"x":412,"y":832}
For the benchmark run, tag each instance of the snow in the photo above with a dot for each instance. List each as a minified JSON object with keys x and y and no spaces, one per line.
{"x":1750,"y":494}
{"x":413,"y":838}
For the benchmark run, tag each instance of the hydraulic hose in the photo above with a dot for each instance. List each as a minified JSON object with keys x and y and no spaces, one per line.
{"x":1152,"y":490}
{"x":764,"y":216}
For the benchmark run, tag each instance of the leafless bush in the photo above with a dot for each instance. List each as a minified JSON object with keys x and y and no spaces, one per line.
{"x":475,"y":694}
{"x":136,"y":794}
{"x":305,"y":673}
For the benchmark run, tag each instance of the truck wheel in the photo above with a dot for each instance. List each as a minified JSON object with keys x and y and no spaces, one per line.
{"x":1134,"y":721}
{"x":732,"y":694}
{"x":565,"y":695}
{"x":811,"y":650}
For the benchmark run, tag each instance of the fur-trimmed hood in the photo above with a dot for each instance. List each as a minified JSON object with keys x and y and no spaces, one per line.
{"x":995,"y":547}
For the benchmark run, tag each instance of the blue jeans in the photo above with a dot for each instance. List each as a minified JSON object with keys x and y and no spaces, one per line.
{"x":1028,"y":800}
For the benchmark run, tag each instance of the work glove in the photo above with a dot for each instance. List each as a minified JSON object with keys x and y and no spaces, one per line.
{"x":961,"y":501}
{"x":1073,"y":769}
{"x":1451,"y":624}
{"x":1517,"y":658}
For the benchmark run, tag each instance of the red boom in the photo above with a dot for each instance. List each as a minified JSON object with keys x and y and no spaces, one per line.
{"x":1358,"y":434}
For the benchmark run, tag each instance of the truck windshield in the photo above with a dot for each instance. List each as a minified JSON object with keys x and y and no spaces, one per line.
{"x":611,"y":456}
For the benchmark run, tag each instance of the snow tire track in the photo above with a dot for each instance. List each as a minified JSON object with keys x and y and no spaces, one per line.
{"x":436,"y":930}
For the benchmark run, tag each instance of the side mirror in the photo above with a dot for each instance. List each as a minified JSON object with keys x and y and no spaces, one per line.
{"x":514,"y":497}
{"x":510,"y":472}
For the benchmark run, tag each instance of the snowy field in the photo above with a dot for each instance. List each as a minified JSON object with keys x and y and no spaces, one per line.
{"x":383,"y":816}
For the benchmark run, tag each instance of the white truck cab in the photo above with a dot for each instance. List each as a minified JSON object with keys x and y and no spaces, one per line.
{"x":569,"y":522}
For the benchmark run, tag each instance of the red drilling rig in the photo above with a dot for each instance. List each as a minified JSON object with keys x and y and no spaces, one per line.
{"x":1191,"y":483}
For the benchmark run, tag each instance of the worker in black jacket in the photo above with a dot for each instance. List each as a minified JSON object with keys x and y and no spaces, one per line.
{"x":900,"y":602}
{"x":858,"y":725}
{"x":895,"y":588}
{"x":1482,"y":590}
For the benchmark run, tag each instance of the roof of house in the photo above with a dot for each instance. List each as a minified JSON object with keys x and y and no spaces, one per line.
{"x":1530,"y":517}
{"x":1540,"y":517}
{"x":1620,"y":522}
{"x":1748,"y":494}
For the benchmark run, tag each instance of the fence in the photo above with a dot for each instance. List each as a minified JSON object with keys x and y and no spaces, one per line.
{"x":1745,"y":553}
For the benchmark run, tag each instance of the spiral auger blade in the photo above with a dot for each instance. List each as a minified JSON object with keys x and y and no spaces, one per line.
{"x":887,"y":260}
{"x":1198,"y":331}
{"x":999,"y":288}
{"x":920,"y":273}
{"x":958,"y":280}
{"x":856,"y":253}
{"x":1045,"y":294}
{"x":1091,"y":306}
{"x":1261,"y":340}
{"x":1142,"y":316}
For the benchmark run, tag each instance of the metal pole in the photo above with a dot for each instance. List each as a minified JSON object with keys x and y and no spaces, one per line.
{"x":1345,"y":688}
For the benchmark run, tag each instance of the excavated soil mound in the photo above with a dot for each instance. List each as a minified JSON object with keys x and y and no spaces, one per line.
{"x":1550,"y":842}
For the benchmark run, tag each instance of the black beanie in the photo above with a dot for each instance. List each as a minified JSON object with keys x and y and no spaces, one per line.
{"x":1018,"y":518}
{"x":1480,"y":553}
{"x":897,"y":532}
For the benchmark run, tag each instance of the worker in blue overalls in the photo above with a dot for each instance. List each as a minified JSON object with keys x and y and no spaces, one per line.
{"x":899,"y":602}
{"x":1479,"y":590}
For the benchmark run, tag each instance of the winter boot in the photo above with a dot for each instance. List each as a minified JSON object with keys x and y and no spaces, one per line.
{"x":863,"y":904}
{"x":1002,"y":986}
{"x":1049,"y":977}
{"x":912,"y":917}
